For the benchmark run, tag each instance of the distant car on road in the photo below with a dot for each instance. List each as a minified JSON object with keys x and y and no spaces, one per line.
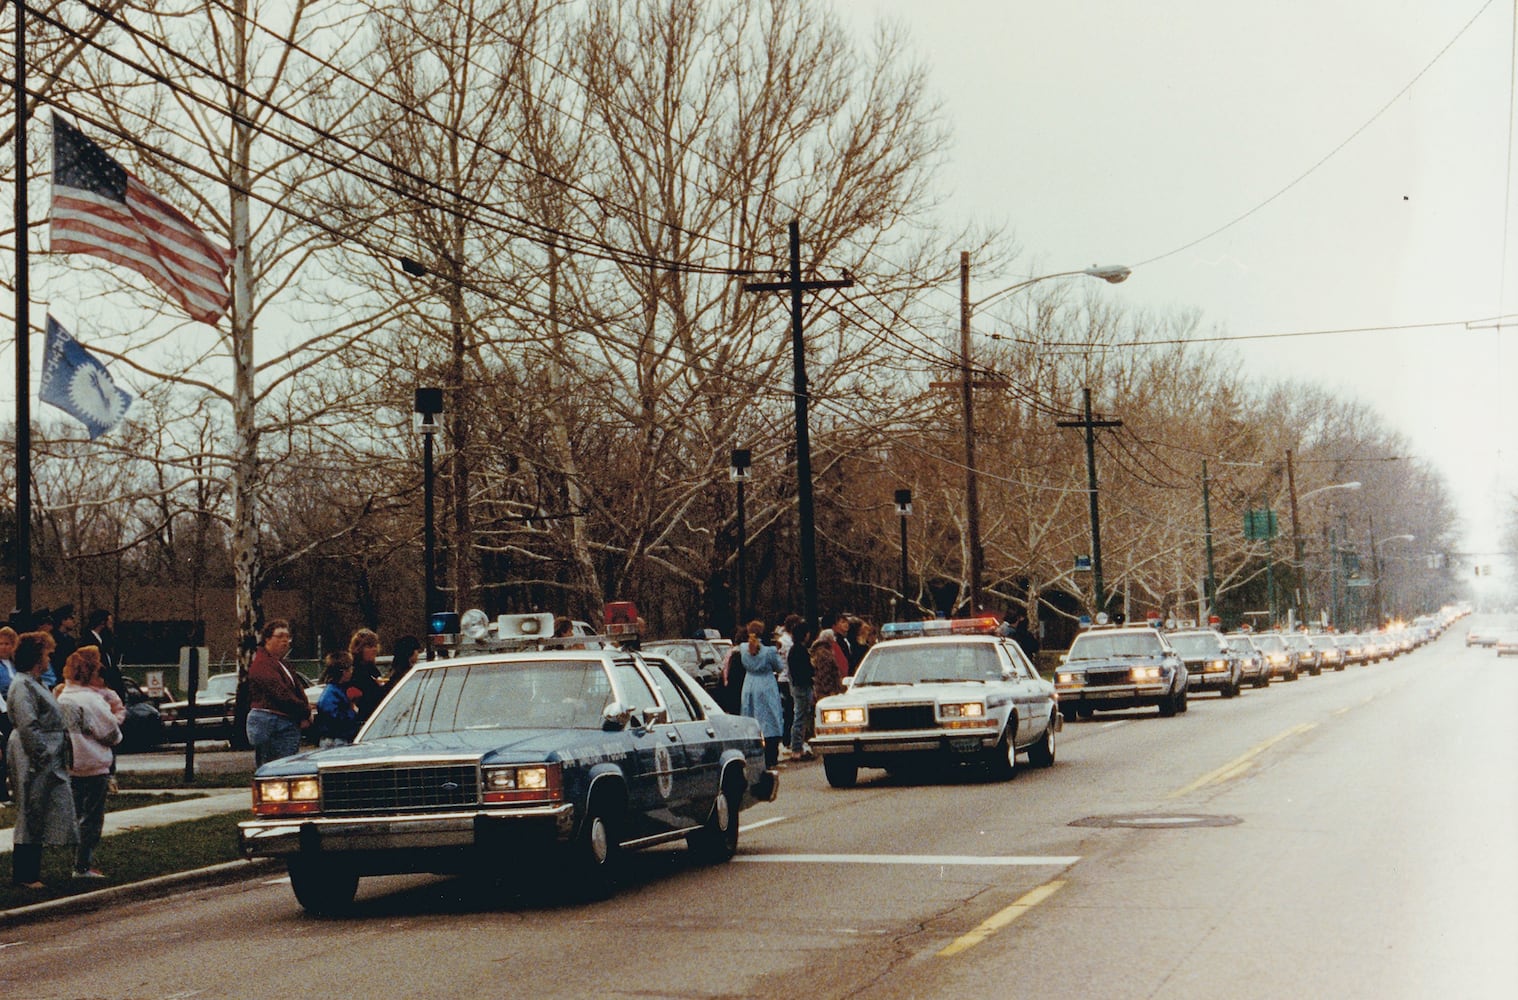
{"x":1481,"y":637}
{"x":947,"y":692}
{"x":1507,"y":644}
{"x":1210,"y":664}
{"x":1309,"y":657}
{"x":1113,"y":667}
{"x":1280,"y":657}
{"x":1253,"y":663}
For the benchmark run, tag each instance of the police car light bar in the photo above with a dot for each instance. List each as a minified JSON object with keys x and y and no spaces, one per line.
{"x":982,"y":625}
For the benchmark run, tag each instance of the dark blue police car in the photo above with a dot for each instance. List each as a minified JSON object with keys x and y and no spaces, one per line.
{"x":575,"y":754}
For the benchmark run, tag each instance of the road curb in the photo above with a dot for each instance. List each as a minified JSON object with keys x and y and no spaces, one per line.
{"x":229,"y":871}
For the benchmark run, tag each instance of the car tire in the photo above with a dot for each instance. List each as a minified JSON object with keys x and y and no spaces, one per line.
{"x":1315,"y":671}
{"x":1086,"y":711}
{"x":324,"y":887}
{"x":1001,"y":760}
{"x":1041,"y":754}
{"x":717,"y":840}
{"x":597,"y":852}
{"x":841,"y":770}
{"x":1293,"y":675}
{"x":1229,"y":690}
{"x":1170,"y":704}
{"x":1071,"y":713}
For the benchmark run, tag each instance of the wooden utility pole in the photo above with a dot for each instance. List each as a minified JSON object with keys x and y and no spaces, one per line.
{"x":1096,"y":525}
{"x":1298,"y":570}
{"x":805,"y":513}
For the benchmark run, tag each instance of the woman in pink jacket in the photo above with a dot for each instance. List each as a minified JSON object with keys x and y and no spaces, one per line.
{"x":93,"y":730}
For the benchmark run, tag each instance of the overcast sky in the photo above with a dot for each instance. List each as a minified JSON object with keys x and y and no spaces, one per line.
{"x":1112,"y":132}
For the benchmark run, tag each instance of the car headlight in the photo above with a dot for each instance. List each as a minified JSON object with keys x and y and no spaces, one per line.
{"x":286,"y":796}
{"x":1216,"y":665}
{"x":1064,"y":678}
{"x":962,"y":710}
{"x":521,"y":783}
{"x":843,"y":716}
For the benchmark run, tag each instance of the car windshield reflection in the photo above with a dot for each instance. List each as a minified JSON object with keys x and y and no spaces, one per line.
{"x":929,"y":664}
{"x":543,"y":694}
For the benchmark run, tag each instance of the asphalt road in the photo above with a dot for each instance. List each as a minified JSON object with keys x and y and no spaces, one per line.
{"x":1349,"y":835}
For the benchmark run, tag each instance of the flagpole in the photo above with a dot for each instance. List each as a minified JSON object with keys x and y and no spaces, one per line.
{"x":23,"y":342}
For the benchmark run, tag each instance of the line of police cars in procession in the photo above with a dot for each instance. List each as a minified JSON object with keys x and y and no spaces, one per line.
{"x":1133,"y":666}
{"x":518,"y":746}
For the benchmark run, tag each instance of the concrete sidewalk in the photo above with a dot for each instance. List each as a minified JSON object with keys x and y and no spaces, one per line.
{"x":215,"y":802}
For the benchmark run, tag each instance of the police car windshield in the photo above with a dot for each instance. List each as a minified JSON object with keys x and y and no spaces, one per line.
{"x":936,"y":662}
{"x":1094,"y":646}
{"x":533,"y":694}
{"x":1196,"y":645}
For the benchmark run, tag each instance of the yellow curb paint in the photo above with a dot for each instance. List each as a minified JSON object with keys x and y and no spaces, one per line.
{"x":997,"y":921}
{"x":1241,"y":763}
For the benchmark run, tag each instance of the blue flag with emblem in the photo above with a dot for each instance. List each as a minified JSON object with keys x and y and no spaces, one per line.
{"x":76,"y":382}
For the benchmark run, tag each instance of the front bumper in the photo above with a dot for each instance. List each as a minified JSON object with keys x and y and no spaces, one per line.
{"x":1209,"y":681}
{"x":884,"y":745}
{"x":269,"y":837}
{"x":1113,"y":695}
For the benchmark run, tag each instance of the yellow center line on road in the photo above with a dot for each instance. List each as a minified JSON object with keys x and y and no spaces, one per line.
{"x":997,"y":921}
{"x":1241,"y":763}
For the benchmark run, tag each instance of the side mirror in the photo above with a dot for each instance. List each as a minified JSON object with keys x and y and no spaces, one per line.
{"x":616,"y":717}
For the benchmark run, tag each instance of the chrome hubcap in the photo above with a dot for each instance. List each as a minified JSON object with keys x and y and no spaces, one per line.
{"x":598,"y":841}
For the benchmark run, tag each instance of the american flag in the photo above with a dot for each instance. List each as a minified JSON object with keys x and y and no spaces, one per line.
{"x":100,"y":209}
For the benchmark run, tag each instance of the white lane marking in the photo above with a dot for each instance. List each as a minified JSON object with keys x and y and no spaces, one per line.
{"x":278,"y":881}
{"x":909,"y":859}
{"x":762,"y":822}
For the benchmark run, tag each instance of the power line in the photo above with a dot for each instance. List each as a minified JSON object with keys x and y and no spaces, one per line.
{"x":1332,"y":152}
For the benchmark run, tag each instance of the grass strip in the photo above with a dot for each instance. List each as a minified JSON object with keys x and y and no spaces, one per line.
{"x":131,"y":857}
{"x":175,"y":779}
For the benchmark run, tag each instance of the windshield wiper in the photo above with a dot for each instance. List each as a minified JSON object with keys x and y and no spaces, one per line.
{"x":952,"y":680}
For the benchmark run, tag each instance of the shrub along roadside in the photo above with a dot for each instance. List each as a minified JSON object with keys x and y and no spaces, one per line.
{"x":132,"y":857}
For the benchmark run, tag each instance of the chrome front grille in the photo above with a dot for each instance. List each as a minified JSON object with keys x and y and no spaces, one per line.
{"x":1102,"y":678}
{"x":402,"y":788}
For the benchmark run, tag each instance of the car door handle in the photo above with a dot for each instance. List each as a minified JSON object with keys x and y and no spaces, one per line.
{"x":672,"y":735}
{"x":711,"y":732}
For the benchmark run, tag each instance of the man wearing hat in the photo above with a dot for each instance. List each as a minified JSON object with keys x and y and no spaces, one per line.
{"x":64,"y":624}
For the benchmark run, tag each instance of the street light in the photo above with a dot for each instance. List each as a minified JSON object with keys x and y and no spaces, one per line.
{"x":903,"y":509}
{"x":738,"y":472}
{"x":429,"y":413}
{"x":1112,"y":274}
{"x":1296,"y":534}
{"x":1375,"y":562}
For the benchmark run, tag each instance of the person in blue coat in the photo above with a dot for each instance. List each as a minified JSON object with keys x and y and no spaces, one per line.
{"x":336,"y":720}
{"x":761,"y":689}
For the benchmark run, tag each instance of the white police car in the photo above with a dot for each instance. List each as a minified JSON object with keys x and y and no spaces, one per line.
{"x":938,"y":691}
